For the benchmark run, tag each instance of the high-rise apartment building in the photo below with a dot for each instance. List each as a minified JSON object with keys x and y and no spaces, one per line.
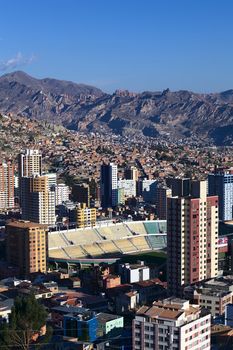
{"x":52,"y":179}
{"x":220,"y":184}
{"x":171,"y":324}
{"x":6,"y":185}
{"x":81,"y":193}
{"x":131,"y":173}
{"x":108,"y":185}
{"x":180,"y":186}
{"x":62,"y":193}
{"x":147,"y":188}
{"x":38,"y":200}
{"x":192,"y":237}
{"x":16,"y":189}
{"x":26,"y":246}
{"x":86,"y":217}
{"x":129,"y":187}
{"x":161,"y":196}
{"x":30,"y":163}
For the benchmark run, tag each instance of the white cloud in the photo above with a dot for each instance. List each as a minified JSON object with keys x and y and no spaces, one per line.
{"x":15,"y":62}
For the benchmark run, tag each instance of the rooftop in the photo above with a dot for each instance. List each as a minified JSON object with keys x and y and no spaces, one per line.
{"x":150,"y":283}
{"x":103,"y":317}
{"x":171,"y":308}
{"x":213,"y":292}
{"x":24,"y":224}
{"x":65,"y":309}
{"x":155,"y":312}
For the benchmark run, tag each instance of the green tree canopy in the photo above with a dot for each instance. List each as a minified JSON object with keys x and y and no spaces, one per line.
{"x":26,"y":319}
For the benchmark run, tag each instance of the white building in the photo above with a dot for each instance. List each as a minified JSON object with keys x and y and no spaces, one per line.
{"x":108,"y":185}
{"x":16,"y":187}
{"x":62,"y":193}
{"x":5,"y":309}
{"x":16,"y":182}
{"x":114,"y":184}
{"x":30,"y":163}
{"x":52,"y":179}
{"x":221,"y":184}
{"x":132,"y":273}
{"x":7,"y":199}
{"x":129,"y":187}
{"x":171,"y":324}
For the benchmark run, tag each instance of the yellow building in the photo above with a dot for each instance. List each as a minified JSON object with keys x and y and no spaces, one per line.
{"x":86,"y":217}
{"x":26,"y":246}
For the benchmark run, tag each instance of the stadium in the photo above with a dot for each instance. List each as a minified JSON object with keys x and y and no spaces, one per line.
{"x":107,"y":242}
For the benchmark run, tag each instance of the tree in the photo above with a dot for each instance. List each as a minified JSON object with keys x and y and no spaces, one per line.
{"x":27,"y":318}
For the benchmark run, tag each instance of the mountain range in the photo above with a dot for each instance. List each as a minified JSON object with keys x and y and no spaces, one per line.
{"x":163,"y":114}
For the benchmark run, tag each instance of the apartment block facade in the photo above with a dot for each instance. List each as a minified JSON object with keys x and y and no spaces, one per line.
{"x":128,"y":186}
{"x":214,"y":301}
{"x":108,"y":185}
{"x":81,"y":193}
{"x":30,"y":163}
{"x":131,"y":173}
{"x":180,"y":187}
{"x":221,"y":184}
{"x":38,"y":200}
{"x":171,"y":324}
{"x":86,"y":217}
{"x":62,"y":193}
{"x":192,"y":238}
{"x":6,"y":185}
{"x":26,"y":246}
{"x":162,"y":194}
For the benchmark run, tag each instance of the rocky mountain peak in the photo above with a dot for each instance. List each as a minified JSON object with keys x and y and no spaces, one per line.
{"x":161,"y":114}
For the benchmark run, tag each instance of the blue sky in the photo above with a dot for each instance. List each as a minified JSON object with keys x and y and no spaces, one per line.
{"x":121,"y":44}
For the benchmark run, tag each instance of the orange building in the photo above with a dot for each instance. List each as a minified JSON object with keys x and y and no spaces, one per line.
{"x":27,"y":246}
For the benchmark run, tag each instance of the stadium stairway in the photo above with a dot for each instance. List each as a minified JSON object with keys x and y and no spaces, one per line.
{"x":136,"y":248}
{"x":65,"y":239}
{"x":66,"y":253}
{"x":85,"y":252}
{"x":98,"y":234}
{"x":99,"y":245}
{"x":128,"y":229}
